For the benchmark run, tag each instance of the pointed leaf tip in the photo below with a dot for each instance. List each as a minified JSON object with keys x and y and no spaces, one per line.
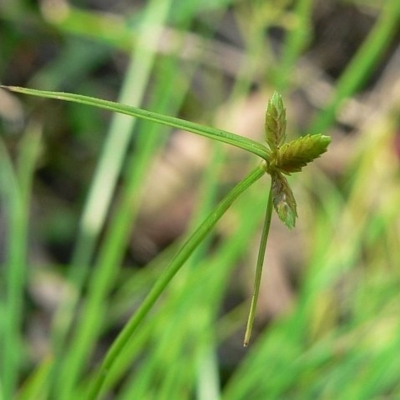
{"x":275,"y":122}
{"x":293,"y":156}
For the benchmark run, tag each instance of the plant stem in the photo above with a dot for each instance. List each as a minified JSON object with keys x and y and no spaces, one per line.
{"x":259,"y":268}
{"x":15,"y":194}
{"x":187,"y":249}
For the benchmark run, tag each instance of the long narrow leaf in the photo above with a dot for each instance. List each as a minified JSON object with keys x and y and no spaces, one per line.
{"x":212,"y":133}
{"x":175,"y":265}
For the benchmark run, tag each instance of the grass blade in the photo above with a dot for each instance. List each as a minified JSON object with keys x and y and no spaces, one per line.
{"x":16,"y":188}
{"x":175,"y":265}
{"x":217,"y":134}
{"x":259,"y":268}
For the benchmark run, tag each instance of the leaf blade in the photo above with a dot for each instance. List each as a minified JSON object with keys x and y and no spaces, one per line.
{"x":212,"y":133}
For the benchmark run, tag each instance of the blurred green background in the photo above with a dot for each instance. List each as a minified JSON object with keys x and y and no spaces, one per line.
{"x":94,"y":205}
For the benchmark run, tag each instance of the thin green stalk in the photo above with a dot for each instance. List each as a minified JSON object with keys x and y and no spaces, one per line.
{"x":37,"y":384}
{"x":259,"y":268}
{"x":175,"y":265}
{"x":16,"y":188}
{"x":213,"y":133}
{"x":115,"y":147}
{"x":9,"y":329}
{"x":99,"y":198}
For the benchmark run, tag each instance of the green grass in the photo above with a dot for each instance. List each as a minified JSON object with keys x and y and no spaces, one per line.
{"x":340,"y":337}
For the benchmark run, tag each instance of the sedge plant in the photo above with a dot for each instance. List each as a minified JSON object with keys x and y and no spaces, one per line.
{"x":279,"y":158}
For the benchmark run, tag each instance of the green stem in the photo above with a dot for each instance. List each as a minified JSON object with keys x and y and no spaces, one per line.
{"x":15,"y":193}
{"x":217,"y":134}
{"x":259,"y":268}
{"x":187,"y":249}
